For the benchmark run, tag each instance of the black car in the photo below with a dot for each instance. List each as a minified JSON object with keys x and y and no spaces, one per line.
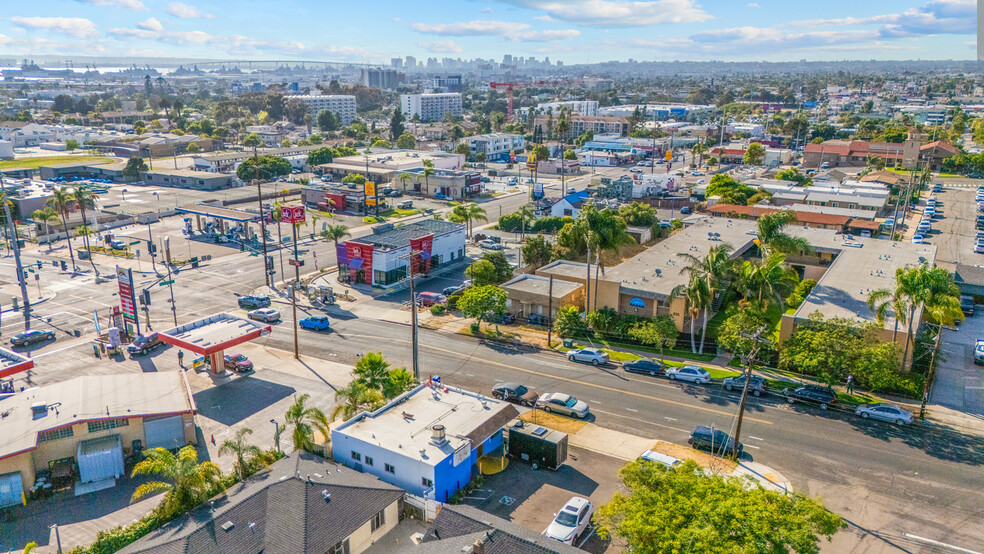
{"x":144,"y":344}
{"x":253,"y":302}
{"x":31,"y":337}
{"x":757,"y":387}
{"x":820,"y":395}
{"x":514,"y":393}
{"x":967,"y":305}
{"x":648,"y":367}
{"x":715,"y":441}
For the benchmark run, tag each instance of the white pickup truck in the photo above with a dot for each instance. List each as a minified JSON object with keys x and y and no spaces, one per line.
{"x":979,"y":352}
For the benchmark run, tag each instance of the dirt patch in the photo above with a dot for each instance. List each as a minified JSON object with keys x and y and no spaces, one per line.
{"x":703,"y":459}
{"x":553,"y":421}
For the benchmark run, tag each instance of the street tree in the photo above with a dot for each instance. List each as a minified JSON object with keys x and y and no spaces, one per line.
{"x":483,"y":302}
{"x":185,"y":482}
{"x":660,"y":332}
{"x":754,"y":154}
{"x":61,"y":200}
{"x":482,"y":272}
{"x":538,"y":252}
{"x":46,"y":216}
{"x":306,"y":420}
{"x":734,"y":332}
{"x":85,"y":199}
{"x":244,"y":452}
{"x":467,"y":213}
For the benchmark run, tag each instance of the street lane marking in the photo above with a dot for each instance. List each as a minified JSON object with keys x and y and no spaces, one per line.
{"x":632,"y":410}
{"x":756,"y":438}
{"x":647,"y":423}
{"x":938,"y":543}
{"x":669,"y":418}
{"x":750,"y":446}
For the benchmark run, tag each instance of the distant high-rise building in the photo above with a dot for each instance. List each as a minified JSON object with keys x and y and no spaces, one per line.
{"x":507,"y":59}
{"x":342,"y":105}
{"x":381,"y":78}
{"x":396,"y":62}
{"x":450,"y":83}
{"x":430,"y":107}
{"x":411,"y":62}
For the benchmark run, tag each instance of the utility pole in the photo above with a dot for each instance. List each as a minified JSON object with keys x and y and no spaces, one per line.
{"x":17,"y":259}
{"x":413,"y":312}
{"x":170,"y":282}
{"x":150,"y":247}
{"x":292,"y":289}
{"x":259,"y":201}
{"x":549,"y":310}
{"x":748,"y":360}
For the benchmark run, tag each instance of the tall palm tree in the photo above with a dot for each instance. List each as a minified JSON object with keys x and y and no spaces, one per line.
{"x":336,"y":233}
{"x":372,"y":370}
{"x":85,"y":198}
{"x":427,"y":172}
{"x":61,"y":200}
{"x":166,"y":105}
{"x":766,"y":281}
{"x":466,"y":213}
{"x":713,"y":269}
{"x":305,"y":420}
{"x":771,"y":237}
{"x":526,"y":213}
{"x":185,"y":481}
{"x":355,"y":398}
{"x":698,"y":299}
{"x":404,"y":176}
{"x":46,"y":216}
{"x":240,"y":447}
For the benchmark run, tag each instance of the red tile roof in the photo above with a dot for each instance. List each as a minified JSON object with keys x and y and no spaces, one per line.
{"x":755,"y":212}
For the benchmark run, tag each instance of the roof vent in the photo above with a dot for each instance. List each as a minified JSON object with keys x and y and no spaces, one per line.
{"x":437,"y":435}
{"x":39,"y":408}
{"x":227,"y":526}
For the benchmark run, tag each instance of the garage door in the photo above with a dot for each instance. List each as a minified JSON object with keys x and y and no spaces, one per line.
{"x":165,"y":432}
{"x":11,"y":489}
{"x":100,"y":459}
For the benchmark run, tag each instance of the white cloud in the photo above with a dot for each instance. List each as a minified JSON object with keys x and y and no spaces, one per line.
{"x":397,"y":19}
{"x":185,"y":11}
{"x":150,"y":24}
{"x":618,"y":13}
{"x":753,"y":5}
{"x":441,"y":47}
{"x":470,"y":28}
{"x":937,"y":17}
{"x":129,"y":4}
{"x":544,"y":36}
{"x":487,"y":10}
{"x":74,"y":26}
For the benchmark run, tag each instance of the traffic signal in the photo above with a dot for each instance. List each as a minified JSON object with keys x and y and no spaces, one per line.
{"x":64,"y":265}
{"x":25,"y":275}
{"x":269,"y":262}
{"x":146,"y":297}
{"x":39,"y":265}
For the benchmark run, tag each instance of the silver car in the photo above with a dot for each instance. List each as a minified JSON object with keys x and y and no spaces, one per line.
{"x":689,"y":373}
{"x":592,"y":356}
{"x":266,"y":315}
{"x":886,"y":412}
{"x":561,"y":403}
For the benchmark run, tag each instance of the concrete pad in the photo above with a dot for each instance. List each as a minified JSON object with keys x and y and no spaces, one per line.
{"x":610,"y":443}
{"x":769,"y":478}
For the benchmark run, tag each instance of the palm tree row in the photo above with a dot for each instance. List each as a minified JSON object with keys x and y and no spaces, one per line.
{"x":466,"y":213}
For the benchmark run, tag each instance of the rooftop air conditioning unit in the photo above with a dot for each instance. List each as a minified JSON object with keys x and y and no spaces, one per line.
{"x":39,"y":408}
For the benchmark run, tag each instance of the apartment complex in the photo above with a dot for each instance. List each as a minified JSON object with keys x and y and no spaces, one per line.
{"x":430,"y":107}
{"x":582,"y":107}
{"x":342,"y":105}
{"x":580,"y":123}
{"x":496,"y":146}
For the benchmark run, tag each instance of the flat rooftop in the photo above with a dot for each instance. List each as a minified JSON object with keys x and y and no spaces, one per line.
{"x":12,"y":362}
{"x":215,"y":211}
{"x":566,"y":268}
{"x":405,"y":423}
{"x":381,"y":157}
{"x":537,"y":284}
{"x":399,"y":237}
{"x":88,"y":398}
{"x":190,"y":173}
{"x":214,"y":333}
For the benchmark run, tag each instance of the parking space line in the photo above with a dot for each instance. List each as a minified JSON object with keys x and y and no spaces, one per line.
{"x":632,"y":410}
{"x":750,"y":446}
{"x":755,"y":438}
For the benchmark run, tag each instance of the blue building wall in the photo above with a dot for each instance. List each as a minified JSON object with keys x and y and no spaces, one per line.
{"x":448,"y":478}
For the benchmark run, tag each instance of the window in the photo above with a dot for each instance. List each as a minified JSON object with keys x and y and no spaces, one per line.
{"x":340,"y":548}
{"x":378,"y":520}
{"x":107,"y":424}
{"x":389,"y":468}
{"x":55,"y":434}
{"x":426,"y":482}
{"x":368,"y":461}
{"x":356,"y":456}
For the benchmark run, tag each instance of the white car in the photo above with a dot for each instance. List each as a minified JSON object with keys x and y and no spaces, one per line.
{"x":886,"y":412}
{"x":571,"y":522}
{"x":918,"y":239}
{"x":563,"y":404}
{"x":588,"y":355}
{"x":266,"y":315}
{"x":490,"y":244}
{"x":979,"y":248}
{"x":690,"y":373}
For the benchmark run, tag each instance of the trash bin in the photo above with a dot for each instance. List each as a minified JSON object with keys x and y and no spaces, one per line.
{"x":568,"y":343}
{"x":78,"y":333}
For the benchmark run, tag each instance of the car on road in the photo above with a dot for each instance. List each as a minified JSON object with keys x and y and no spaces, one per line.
{"x":591,"y":356}
{"x":758,"y":385}
{"x":690,"y":373}
{"x":490,"y":244}
{"x":685,"y":210}
{"x":448,"y":291}
{"x":405,"y":205}
{"x":967,"y":304}
{"x":117,"y":245}
{"x":635,"y":170}
{"x":315,"y":323}
{"x":558,"y":402}
{"x":428,"y":299}
{"x":267,"y":315}
{"x":714,"y":441}
{"x":31,"y":337}
{"x":144,"y":344}
{"x":885,"y":412}
{"x":237,"y":363}
{"x":644,"y":366}
{"x":820,"y":395}
{"x":571,"y":522}
{"x":514,"y":392}
{"x":512,"y":181}
{"x":979,"y":352}
{"x":395,"y":193}
{"x":937,"y":188}
{"x":253,"y":302}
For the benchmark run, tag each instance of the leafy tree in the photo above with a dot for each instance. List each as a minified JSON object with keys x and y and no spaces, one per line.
{"x":710,"y":513}
{"x":482,"y":272}
{"x":538,"y":252}
{"x":574,"y":237}
{"x":25,"y":115}
{"x":754,"y":154}
{"x":639,"y":214}
{"x":730,"y":191}
{"x":185,"y":481}
{"x":135,"y":166}
{"x":382,"y":143}
{"x":570,"y":155}
{"x":483,"y":302}
{"x":194,"y":148}
{"x":328,"y":121}
{"x":503,"y":269}
{"x":285,"y":143}
{"x":71,"y":144}
{"x":463,"y":149}
{"x":315,"y":139}
{"x":269,"y":167}
{"x":355,"y":398}
{"x":253,"y":141}
{"x":733,"y":332}
{"x":570,"y":322}
{"x":406,"y":141}
{"x":660,"y":331}
{"x":372,"y":370}
{"x":245,"y":453}
{"x":802,"y":290}
{"x":321,"y":156}
{"x":793,"y":174}
{"x":305,"y":420}
{"x":396,"y":125}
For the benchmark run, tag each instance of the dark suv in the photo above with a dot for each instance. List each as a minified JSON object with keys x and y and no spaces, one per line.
{"x":757,"y":387}
{"x":254,"y":302}
{"x":820,"y":395}
{"x":714,"y":440}
{"x":144,"y":344}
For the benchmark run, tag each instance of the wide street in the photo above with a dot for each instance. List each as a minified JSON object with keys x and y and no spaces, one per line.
{"x":895,"y":486}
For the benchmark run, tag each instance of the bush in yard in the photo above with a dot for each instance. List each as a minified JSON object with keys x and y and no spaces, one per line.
{"x":438,"y":309}
{"x":802,"y":290}
{"x":570,"y":323}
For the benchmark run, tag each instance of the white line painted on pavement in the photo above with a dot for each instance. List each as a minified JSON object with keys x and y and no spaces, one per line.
{"x":756,"y":438}
{"x":938,"y":543}
{"x":669,"y":418}
{"x":632,"y":410}
{"x":647,"y":423}
{"x":750,"y":446}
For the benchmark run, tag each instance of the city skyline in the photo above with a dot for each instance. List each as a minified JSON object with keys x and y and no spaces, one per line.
{"x":575,"y":32}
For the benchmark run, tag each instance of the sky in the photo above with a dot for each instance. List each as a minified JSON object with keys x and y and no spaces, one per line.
{"x":573,"y":31}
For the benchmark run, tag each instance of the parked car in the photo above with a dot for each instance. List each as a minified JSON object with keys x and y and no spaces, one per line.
{"x":588,"y":355}
{"x":144,"y":344}
{"x":635,"y":170}
{"x":237,"y":363}
{"x":820,"y":395}
{"x":513,"y":392}
{"x":428,"y":299}
{"x":405,"y":205}
{"x":315,"y":323}
{"x":253,"y":302}
{"x":685,"y":210}
{"x":31,"y":337}
{"x":571,"y":522}
{"x":649,"y":367}
{"x":715,"y":441}
{"x":691,"y":373}
{"x":490,"y":244}
{"x":918,"y":239}
{"x":561,"y":403}
{"x":117,"y":245}
{"x":979,"y":352}
{"x":660,"y":458}
{"x":757,"y":386}
{"x":885,"y":412}
{"x":395,"y":194}
{"x":267,"y":315}
{"x":512,"y":181}
{"x":967,"y":303}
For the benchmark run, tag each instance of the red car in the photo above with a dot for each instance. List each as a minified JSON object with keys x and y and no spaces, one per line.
{"x":237,"y":363}
{"x":428,"y":299}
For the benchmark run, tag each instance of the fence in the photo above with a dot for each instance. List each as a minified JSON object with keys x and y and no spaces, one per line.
{"x":422,"y":508}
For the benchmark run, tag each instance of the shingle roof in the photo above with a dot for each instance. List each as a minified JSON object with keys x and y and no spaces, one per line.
{"x":282,"y":510}
{"x":459,"y":526}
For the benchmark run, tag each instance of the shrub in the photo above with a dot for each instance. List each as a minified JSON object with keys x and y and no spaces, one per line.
{"x":438,"y":309}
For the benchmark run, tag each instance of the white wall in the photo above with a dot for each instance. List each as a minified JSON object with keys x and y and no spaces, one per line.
{"x":409,"y":473}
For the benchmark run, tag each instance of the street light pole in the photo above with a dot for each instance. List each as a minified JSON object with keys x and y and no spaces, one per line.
{"x":413,"y":312}
{"x":17,"y":259}
{"x":170,"y":282}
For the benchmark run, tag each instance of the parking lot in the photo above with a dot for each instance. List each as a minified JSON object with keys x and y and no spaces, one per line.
{"x":953,"y":231}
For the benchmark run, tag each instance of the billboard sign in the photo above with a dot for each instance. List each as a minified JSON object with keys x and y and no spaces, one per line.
{"x":292,"y":214}
{"x":370,"y":188}
{"x":538,"y":190}
{"x":128,"y":300}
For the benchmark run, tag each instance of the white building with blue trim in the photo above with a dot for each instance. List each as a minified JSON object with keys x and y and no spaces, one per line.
{"x":426,"y":441}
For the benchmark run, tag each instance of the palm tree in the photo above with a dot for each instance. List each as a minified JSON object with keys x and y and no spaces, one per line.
{"x":185,"y":481}
{"x":61,"y":200}
{"x":698,"y":299}
{"x":306,"y":420}
{"x":165,"y":105}
{"x":466,"y":213}
{"x":713,"y":269}
{"x":526,"y":213}
{"x":767,"y":280}
{"x":239,"y":446}
{"x":336,"y":233}
{"x":372,"y":370}
{"x":85,"y":198}
{"x":772,"y":238}
{"x":699,"y":150}
{"x":403,"y":179}
{"x":399,"y":381}
{"x":46,"y":216}
{"x":427,"y":172}
{"x":355,"y":398}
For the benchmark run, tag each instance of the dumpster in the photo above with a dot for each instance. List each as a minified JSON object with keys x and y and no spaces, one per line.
{"x":568,"y":343}
{"x":539,"y":446}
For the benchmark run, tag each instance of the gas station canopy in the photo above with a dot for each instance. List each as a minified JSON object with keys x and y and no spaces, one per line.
{"x":214,"y":333}
{"x":227,"y":214}
{"x":12,"y":362}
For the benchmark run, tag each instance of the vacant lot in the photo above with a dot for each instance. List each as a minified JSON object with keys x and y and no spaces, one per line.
{"x":34,"y":163}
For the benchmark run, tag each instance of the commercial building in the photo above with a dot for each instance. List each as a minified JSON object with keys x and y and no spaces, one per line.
{"x":426,"y":441}
{"x":57,"y":428}
{"x":188,"y":178}
{"x":662,"y":112}
{"x":430,"y":107}
{"x":580,"y":123}
{"x":530,"y":294}
{"x":382,"y":258}
{"x":228,"y":161}
{"x":496,"y":147}
{"x":580,"y":107}
{"x":304,"y":503}
{"x":342,"y":105}
{"x":381,"y":78}
{"x":855,"y":153}
{"x":384,"y":165}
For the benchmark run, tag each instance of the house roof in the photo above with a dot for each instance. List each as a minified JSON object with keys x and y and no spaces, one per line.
{"x":941,"y":145}
{"x":537,"y":284}
{"x":282,"y":510}
{"x":459,"y":526}
{"x":754,"y":212}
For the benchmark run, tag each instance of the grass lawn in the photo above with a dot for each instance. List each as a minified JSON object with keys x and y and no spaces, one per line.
{"x":488,"y":333}
{"x":561,"y":423}
{"x":397,"y":212}
{"x":34,"y":163}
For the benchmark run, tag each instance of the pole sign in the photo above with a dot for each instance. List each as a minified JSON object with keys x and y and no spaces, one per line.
{"x":128,"y":300}
{"x":292,"y":214}
{"x":370,"y":188}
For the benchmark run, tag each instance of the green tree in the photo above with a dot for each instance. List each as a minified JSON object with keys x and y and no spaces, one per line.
{"x":482,"y":272}
{"x":336,"y":233}
{"x":698,"y":299}
{"x":71,"y":144}
{"x":639,"y":214}
{"x":710,"y":513}
{"x":61,"y":200}
{"x":734,"y":331}
{"x":321,"y":156}
{"x":328,"y":121}
{"x":660,"y":332}
{"x":396,"y":125}
{"x":467,"y":213}
{"x":404,"y":177}
{"x":269,"y":166}
{"x":538,"y":252}
{"x":381,"y":143}
{"x":570,"y":323}
{"x":793,"y":174}
{"x":25,"y":115}
{"x":194,"y":148}
{"x":570,"y":155}
{"x":406,"y":141}
{"x":463,"y":149}
{"x":305,"y":420}
{"x":185,"y":481}
{"x":766,"y":281}
{"x":372,"y":370}
{"x":772,"y":238}
{"x":427,"y":172}
{"x":730,"y":191}
{"x":603,"y":320}
{"x":285,"y":143}
{"x":803,"y":290}
{"x":253,"y":141}
{"x":398,"y":382}
{"x":503,"y":269}
{"x":244,"y":452}
{"x":355,"y":398}
{"x":754,"y":154}
{"x":483,"y":302}
{"x":715,"y":269}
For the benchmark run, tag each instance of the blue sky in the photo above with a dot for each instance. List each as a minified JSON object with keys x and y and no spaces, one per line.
{"x":574,"y":31}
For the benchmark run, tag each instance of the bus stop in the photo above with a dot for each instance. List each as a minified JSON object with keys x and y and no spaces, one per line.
{"x":211,"y":336}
